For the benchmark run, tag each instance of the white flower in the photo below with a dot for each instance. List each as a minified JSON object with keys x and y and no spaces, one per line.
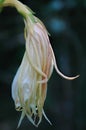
{"x":30,"y":83}
{"x":29,"y":86}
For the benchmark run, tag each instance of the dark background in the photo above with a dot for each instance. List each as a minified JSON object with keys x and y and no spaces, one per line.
{"x":65,"y":104}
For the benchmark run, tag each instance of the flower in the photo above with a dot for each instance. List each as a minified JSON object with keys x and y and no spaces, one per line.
{"x":29,"y":87}
{"x":30,"y":83}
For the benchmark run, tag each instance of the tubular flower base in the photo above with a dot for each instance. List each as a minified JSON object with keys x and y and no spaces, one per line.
{"x":29,"y":86}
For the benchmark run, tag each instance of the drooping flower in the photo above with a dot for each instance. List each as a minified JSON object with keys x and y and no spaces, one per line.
{"x":29,"y":87}
{"x":30,"y":84}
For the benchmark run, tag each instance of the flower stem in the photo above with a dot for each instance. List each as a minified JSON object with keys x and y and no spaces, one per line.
{"x":21,"y":8}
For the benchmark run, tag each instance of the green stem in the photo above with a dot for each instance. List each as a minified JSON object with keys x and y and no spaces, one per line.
{"x":25,"y":11}
{"x":21,"y":8}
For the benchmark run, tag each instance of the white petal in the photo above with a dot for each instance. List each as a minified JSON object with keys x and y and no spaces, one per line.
{"x":15,"y":86}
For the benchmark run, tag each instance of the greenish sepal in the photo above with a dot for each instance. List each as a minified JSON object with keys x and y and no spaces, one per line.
{"x":1,"y":1}
{"x":22,"y":14}
{"x":32,"y":17}
{"x":30,"y":12}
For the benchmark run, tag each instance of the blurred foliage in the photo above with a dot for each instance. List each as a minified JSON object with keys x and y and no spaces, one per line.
{"x":66,"y":100}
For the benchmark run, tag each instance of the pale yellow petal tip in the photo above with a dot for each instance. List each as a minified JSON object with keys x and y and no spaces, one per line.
{"x":72,"y":78}
{"x":21,"y":118}
{"x":46,"y":118}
